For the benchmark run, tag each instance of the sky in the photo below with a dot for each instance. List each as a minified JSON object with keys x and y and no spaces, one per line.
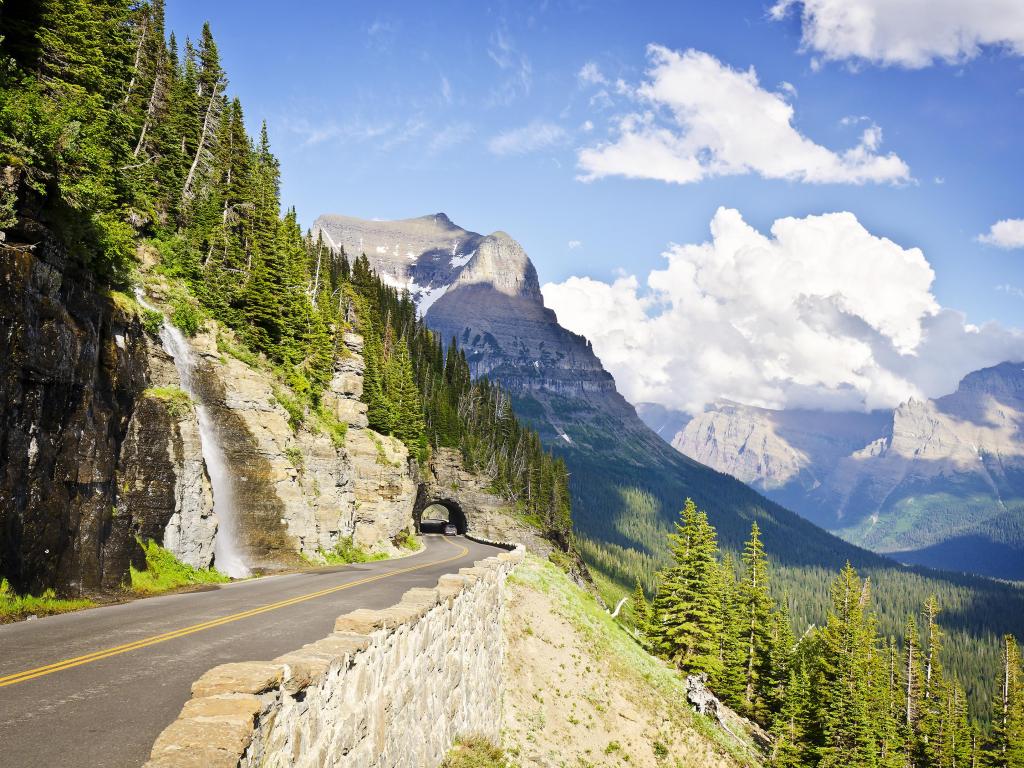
{"x":814,"y":204}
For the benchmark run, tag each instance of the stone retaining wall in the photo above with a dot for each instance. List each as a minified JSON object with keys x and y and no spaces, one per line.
{"x":387,"y":689}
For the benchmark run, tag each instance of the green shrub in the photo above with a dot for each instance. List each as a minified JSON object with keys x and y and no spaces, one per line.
{"x":14,"y":606}
{"x":239,"y":351}
{"x":152,"y":321}
{"x":164,"y":572}
{"x":475,"y":752}
{"x":295,"y":456}
{"x":176,"y":400}
{"x":347,"y":551}
{"x":296,"y":412}
{"x":186,"y":317}
{"x":335,"y":429}
{"x":406,"y":539}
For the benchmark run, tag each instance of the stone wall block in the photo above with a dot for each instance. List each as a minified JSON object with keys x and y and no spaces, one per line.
{"x":239,"y":677}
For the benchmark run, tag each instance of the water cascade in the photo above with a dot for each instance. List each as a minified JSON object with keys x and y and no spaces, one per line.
{"x":226,"y":555}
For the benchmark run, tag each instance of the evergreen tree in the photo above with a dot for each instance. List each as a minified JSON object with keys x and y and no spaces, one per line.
{"x":1005,"y":748}
{"x":757,"y":606}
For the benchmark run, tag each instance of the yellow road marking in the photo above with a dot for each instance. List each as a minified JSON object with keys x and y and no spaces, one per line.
{"x":49,"y":669}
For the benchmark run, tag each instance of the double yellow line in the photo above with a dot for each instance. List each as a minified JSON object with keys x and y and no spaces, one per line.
{"x":49,"y":669}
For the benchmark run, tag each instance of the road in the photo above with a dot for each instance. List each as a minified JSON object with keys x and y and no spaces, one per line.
{"x":95,"y":688}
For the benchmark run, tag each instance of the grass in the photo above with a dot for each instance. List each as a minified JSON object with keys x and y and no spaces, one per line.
{"x":165,"y":572}
{"x":623,"y":656}
{"x":14,"y":607}
{"x":346,"y":551}
{"x":291,"y":404}
{"x":329,"y":423}
{"x":475,"y":752}
{"x":176,"y":400}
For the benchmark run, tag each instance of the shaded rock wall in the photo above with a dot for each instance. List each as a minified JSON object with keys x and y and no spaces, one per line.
{"x":387,"y":689}
{"x":72,"y":364}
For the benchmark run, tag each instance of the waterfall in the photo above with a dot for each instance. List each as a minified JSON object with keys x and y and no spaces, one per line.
{"x":226,"y":555}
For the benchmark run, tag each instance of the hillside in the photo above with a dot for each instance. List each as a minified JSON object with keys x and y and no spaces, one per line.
{"x":937,"y":482}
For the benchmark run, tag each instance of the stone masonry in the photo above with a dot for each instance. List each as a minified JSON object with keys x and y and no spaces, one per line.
{"x":387,"y":689}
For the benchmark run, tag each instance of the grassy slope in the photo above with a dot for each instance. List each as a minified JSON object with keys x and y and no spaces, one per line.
{"x":587,"y":694}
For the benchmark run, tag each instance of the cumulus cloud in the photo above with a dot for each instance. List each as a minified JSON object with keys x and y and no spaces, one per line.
{"x":705,"y":119}
{"x":1007,"y":233}
{"x":574,"y":244}
{"x":907,"y":33}
{"x":533,"y":137}
{"x":820,"y":313}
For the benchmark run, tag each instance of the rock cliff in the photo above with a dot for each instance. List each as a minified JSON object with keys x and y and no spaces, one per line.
{"x":72,"y":368}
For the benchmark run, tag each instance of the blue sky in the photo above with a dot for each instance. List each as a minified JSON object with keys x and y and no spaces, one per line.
{"x":394,"y":110}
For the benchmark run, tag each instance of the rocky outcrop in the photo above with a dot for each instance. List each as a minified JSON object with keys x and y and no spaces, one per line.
{"x":72,"y":365}
{"x":490,"y":517}
{"x":298,"y":490}
{"x":388,"y":688}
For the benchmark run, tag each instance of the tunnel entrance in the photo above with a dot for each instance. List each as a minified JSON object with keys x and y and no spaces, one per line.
{"x":441,"y":512}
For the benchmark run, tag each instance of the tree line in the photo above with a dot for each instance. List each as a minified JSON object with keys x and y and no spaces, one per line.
{"x":113,"y":135}
{"x":839,"y":695}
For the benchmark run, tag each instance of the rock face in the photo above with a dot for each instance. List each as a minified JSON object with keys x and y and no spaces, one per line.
{"x":387,"y":689}
{"x":492,"y":518}
{"x":72,"y":365}
{"x":937,"y":482}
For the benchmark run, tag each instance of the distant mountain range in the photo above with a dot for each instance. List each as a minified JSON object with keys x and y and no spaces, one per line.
{"x":935,"y":482}
{"x":628,"y":483}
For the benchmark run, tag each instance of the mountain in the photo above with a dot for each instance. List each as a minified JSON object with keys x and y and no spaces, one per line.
{"x":936,"y":482}
{"x":665,"y":422}
{"x":628,"y":484}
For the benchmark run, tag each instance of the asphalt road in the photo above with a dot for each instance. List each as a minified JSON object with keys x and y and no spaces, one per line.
{"x":95,"y":688}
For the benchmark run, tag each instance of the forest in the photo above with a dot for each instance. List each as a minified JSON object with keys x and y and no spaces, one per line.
{"x":839,"y":694}
{"x":114,"y":138}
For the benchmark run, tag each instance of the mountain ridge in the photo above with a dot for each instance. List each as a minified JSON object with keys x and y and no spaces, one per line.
{"x":908,"y":482}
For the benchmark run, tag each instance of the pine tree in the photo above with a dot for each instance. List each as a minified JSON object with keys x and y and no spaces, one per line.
{"x":847,"y":663}
{"x":1005,"y":748}
{"x":641,"y":610}
{"x":689,"y":615}
{"x":729,"y":684}
{"x":757,"y":606}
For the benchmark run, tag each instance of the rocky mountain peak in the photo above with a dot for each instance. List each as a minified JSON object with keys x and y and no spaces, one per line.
{"x":501,"y":263}
{"x":1003,"y":381}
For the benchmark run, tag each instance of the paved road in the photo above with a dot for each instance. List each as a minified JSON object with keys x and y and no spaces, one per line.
{"x":95,"y":688}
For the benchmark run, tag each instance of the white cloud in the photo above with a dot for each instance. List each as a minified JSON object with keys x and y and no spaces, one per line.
{"x":574,"y":244}
{"x":706,"y":119}
{"x":450,"y":136}
{"x":820,"y":313}
{"x":516,"y":64}
{"x":1012,"y":290}
{"x":907,"y":33}
{"x":1007,"y":233}
{"x":587,"y":126}
{"x":446,"y":90}
{"x":590,"y":74}
{"x":534,"y":137}
{"x":788,"y":88}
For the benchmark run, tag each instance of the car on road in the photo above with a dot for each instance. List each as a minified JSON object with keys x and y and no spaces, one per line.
{"x":450,"y":530}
